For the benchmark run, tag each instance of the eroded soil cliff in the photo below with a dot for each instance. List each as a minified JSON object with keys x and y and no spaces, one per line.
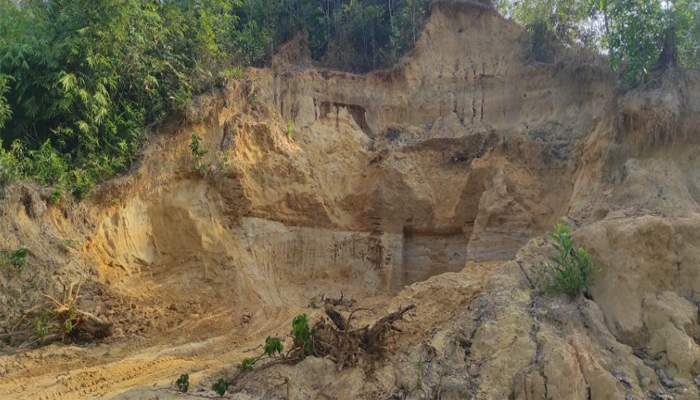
{"x":433,"y":183}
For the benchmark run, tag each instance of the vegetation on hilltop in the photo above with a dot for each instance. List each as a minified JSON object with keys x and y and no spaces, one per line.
{"x":636,"y":35}
{"x":83,"y":82}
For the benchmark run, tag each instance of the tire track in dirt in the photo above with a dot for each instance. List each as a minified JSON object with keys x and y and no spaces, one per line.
{"x":91,"y":373}
{"x":213,"y":342}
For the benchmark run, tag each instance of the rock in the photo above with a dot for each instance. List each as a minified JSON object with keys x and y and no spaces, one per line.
{"x":660,"y":309}
{"x":676,"y":352}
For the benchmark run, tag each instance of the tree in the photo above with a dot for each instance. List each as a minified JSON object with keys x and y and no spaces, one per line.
{"x":82,"y":81}
{"x":5,"y":111}
{"x":634,"y":33}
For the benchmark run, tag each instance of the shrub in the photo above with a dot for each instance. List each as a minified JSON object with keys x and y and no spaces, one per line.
{"x":183,"y":383}
{"x":273,"y":345}
{"x":198,"y":151}
{"x":5,"y":110}
{"x":247,"y":364}
{"x":571,"y":272}
{"x":313,"y":303}
{"x":47,"y":165}
{"x":220,"y":387}
{"x":302,"y":335}
{"x":506,"y":143}
{"x":56,"y":195}
{"x":18,"y":258}
{"x":9,"y":166}
{"x":196,"y":147}
{"x":82,"y":183}
{"x":42,"y":325}
{"x":290,"y":128}
{"x":253,"y":101}
{"x":8,"y":169}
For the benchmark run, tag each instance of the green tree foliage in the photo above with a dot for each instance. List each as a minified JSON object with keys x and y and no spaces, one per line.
{"x":303,"y":335}
{"x":82,"y":81}
{"x":5,"y":110}
{"x":88,"y":76}
{"x":632,"y":32}
{"x":9,"y":166}
{"x":273,"y":345}
{"x":639,"y":31}
{"x":686,"y":20}
{"x":357,"y":35}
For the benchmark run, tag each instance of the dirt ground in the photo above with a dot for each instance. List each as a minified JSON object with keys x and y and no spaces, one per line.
{"x":209,"y":344}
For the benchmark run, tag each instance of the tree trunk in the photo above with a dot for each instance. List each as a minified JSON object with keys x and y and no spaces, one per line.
{"x":669,"y":54}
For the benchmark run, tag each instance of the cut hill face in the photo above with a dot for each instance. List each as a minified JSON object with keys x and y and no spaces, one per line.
{"x":433,"y":183}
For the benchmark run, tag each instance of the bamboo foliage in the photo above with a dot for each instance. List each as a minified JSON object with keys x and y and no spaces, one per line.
{"x":81,"y":81}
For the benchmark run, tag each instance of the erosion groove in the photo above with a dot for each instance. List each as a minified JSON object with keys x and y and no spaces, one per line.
{"x":431,"y":184}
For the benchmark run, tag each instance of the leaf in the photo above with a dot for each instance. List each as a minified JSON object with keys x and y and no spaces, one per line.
{"x":83,"y":126}
{"x":67,"y":81}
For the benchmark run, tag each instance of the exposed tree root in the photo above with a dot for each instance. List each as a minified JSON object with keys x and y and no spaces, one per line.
{"x":341,"y":301}
{"x":76,"y":322}
{"x":347,"y":346}
{"x":63,"y":320}
{"x":336,"y":340}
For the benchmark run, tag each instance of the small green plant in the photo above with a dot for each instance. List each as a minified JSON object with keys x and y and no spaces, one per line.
{"x":420,"y":364}
{"x":68,"y":325}
{"x":303,"y":336}
{"x":253,"y":100}
{"x":228,"y":73}
{"x":68,"y":244}
{"x":202,"y":168}
{"x":419,"y":383}
{"x":506,"y":143}
{"x":56,"y":195}
{"x":9,"y":166}
{"x":198,"y":151}
{"x":196,"y":146}
{"x":247,"y":364}
{"x":223,"y":159}
{"x":48,"y":166}
{"x":273,"y":345}
{"x":82,"y":183}
{"x":220,"y":387}
{"x":313,"y":303}
{"x":18,"y":258}
{"x":290,"y":128}
{"x":183,"y":383}
{"x":42,"y":325}
{"x":572,"y":271}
